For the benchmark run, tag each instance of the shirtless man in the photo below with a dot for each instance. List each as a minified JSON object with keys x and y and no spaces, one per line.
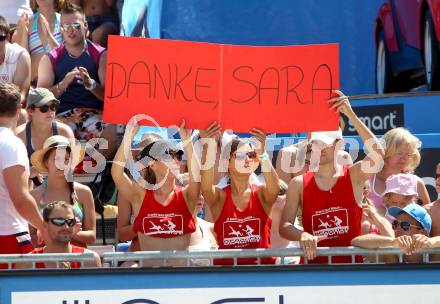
{"x":434,"y":211}
{"x":101,"y":19}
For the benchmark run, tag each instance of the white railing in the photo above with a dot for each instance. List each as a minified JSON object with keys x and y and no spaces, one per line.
{"x":114,"y":259}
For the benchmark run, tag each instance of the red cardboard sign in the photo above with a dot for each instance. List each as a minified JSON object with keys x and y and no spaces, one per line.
{"x":277,"y":89}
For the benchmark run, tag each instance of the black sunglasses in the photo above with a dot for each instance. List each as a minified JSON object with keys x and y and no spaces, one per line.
{"x":174,"y":154}
{"x":45,"y":108}
{"x":404,"y":225}
{"x":3,"y":37}
{"x":437,"y":175}
{"x":242,"y":155}
{"x":59,"y":221}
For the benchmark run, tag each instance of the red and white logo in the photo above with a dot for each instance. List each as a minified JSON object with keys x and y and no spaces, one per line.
{"x":164,"y":224}
{"x":330,"y":222}
{"x":238,"y":231}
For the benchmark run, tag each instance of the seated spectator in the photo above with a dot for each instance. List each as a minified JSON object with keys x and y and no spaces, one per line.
{"x":102,"y":19}
{"x":41,"y":106}
{"x":400,"y":191}
{"x":161,"y":201}
{"x":241,"y":210}
{"x":276,"y":239}
{"x":56,"y":161}
{"x":60,"y":225}
{"x":15,"y":65}
{"x":18,"y":207}
{"x":203,"y":239}
{"x":402,"y":155}
{"x":412,"y":228}
{"x":331,"y":197}
{"x":372,"y":220}
{"x":434,"y":211}
{"x":40,"y":33}
{"x":75,"y":73}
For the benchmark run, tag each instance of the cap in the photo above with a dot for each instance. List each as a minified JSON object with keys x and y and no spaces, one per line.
{"x":39,"y":97}
{"x":327,"y":137}
{"x":404,"y":184}
{"x":56,"y":141}
{"x":416,"y":212}
{"x":157,"y":149}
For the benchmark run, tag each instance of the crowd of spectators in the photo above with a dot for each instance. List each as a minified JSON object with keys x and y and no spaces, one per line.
{"x":200,"y":194}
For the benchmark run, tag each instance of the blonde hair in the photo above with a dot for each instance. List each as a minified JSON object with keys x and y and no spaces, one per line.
{"x":398,"y":137}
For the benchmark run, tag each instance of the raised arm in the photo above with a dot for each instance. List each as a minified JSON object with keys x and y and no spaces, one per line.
{"x":373,"y":161}
{"x":192,"y":190}
{"x":209,"y":149}
{"x":271,"y":187}
{"x":124,"y":184}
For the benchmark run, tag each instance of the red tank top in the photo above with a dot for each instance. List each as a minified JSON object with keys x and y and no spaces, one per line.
{"x":334,"y":213}
{"x":247,"y":229}
{"x":75,"y":249}
{"x":161,"y":221}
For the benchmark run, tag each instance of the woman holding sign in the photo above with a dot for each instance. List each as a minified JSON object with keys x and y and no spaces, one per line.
{"x":165,"y":220}
{"x":240,"y":210}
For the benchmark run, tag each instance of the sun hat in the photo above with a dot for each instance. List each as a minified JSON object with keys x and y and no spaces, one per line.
{"x":56,"y":141}
{"x":404,"y":184}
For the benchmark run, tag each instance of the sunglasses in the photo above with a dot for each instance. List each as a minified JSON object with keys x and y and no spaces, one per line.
{"x":404,"y":225}
{"x":178,"y":155}
{"x":242,"y":155}
{"x":58,"y":221}
{"x":45,"y":108}
{"x":67,"y":26}
{"x":437,"y":175}
{"x":3,"y":37}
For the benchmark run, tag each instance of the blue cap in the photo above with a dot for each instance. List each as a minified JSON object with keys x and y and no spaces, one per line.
{"x":415,"y":211}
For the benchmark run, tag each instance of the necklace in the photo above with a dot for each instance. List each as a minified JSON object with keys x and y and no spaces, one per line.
{"x":82,"y":51}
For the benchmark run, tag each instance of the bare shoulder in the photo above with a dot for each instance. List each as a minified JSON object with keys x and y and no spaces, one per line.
{"x":21,"y":132}
{"x":433,"y":207}
{"x":296,"y":182}
{"x":82,"y":191}
{"x":64,"y":130}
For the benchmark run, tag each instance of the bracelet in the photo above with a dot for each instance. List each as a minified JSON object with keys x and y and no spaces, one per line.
{"x":92,"y":85}
{"x":59,"y":89}
{"x":263,"y":156}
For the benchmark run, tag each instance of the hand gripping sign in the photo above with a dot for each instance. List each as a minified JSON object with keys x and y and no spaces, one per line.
{"x":278,"y":89}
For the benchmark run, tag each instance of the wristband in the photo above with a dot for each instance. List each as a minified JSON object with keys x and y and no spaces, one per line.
{"x":59,"y":89}
{"x":92,"y":85}
{"x":263,"y":156}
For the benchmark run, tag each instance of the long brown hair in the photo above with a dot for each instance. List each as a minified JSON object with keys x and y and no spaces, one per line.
{"x":59,"y":4}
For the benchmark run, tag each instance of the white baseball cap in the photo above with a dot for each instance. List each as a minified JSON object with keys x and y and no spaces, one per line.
{"x":327,"y":137}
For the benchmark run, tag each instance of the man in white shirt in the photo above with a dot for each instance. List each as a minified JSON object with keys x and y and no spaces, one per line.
{"x":18,"y":208}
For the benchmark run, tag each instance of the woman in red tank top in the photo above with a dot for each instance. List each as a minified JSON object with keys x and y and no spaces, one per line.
{"x":165,"y":219}
{"x":240,"y":210}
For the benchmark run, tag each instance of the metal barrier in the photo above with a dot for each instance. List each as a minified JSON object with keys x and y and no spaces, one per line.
{"x":113,"y":259}
{"x":58,"y":258}
{"x":235,"y":254}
